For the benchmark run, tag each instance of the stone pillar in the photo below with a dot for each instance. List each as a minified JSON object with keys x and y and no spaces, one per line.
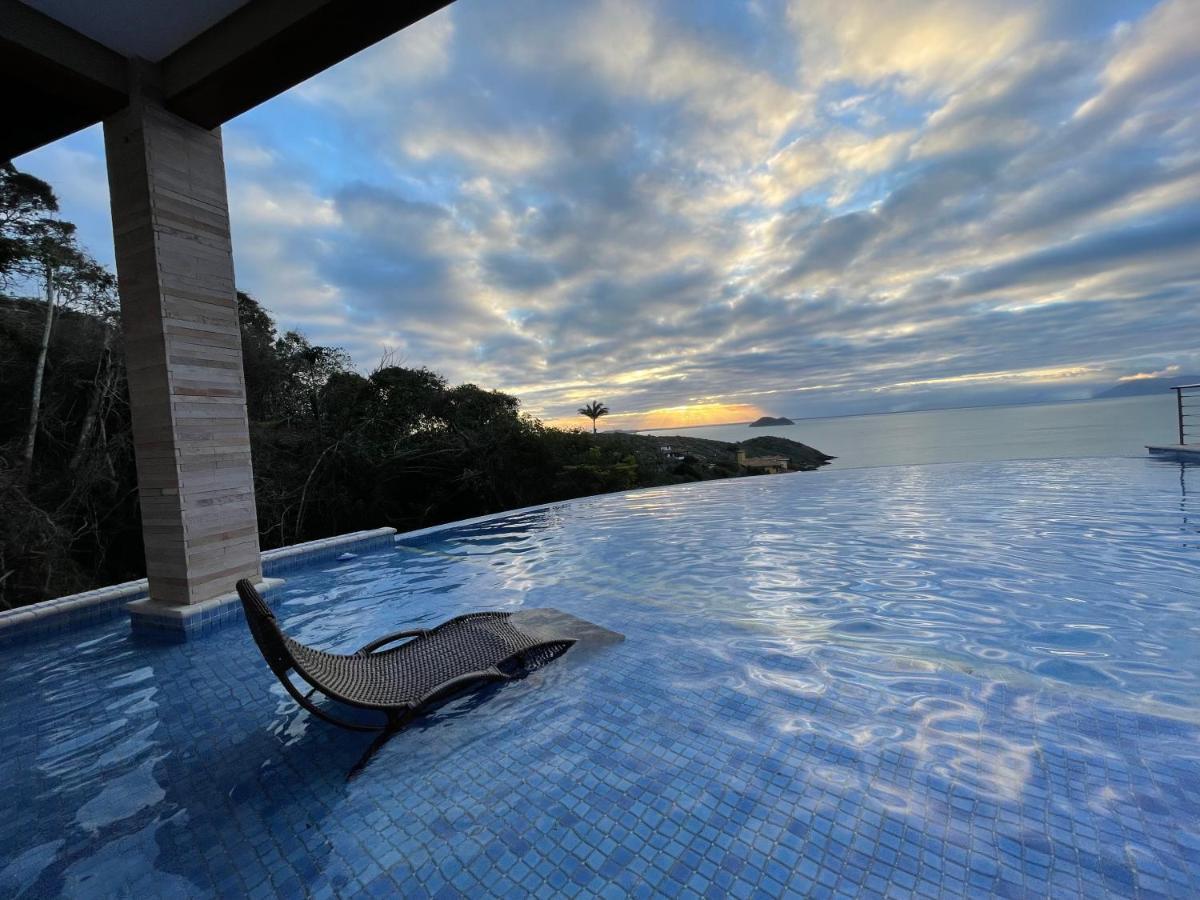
{"x":170,"y":216}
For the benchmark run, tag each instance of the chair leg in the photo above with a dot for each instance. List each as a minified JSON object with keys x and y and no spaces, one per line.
{"x":303,"y":700}
{"x":398,"y":718}
{"x":368,"y":754}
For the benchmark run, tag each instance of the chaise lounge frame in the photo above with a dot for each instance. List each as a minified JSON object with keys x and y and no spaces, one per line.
{"x":366,"y":678}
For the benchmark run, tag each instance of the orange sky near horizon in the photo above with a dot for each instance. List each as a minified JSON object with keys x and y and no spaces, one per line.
{"x":687,"y":416}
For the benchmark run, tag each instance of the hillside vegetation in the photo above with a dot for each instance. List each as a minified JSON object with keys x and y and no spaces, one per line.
{"x":334,"y":450}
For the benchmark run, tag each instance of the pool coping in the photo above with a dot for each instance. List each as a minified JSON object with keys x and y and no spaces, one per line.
{"x":177,"y":624}
{"x":76,"y":610}
{"x":155,"y":619}
{"x":417,"y":533}
{"x":1184,"y":453}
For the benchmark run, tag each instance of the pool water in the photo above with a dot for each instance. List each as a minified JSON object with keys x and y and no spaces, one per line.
{"x":967,"y":679}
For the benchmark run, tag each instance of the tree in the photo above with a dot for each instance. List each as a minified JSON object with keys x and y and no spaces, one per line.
{"x":98,"y":289}
{"x":594,"y":411}
{"x":69,"y":277}
{"x":25,"y":202}
{"x":334,"y":449}
{"x":309,"y":368}
{"x":260,"y":363}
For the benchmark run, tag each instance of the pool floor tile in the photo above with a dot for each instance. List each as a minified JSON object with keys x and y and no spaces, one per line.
{"x":752,"y":737}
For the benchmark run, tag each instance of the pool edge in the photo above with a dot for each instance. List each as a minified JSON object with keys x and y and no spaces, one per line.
{"x":75,"y":611}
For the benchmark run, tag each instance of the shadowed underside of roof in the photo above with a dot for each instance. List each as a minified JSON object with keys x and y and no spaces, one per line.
{"x":65,"y":67}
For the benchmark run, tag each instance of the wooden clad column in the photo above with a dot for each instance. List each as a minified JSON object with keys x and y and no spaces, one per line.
{"x":183,"y":348}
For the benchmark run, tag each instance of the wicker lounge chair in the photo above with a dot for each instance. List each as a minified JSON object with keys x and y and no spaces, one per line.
{"x":461,"y":653}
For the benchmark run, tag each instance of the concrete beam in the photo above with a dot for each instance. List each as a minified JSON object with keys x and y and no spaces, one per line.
{"x":183,"y":350}
{"x":55,"y":79}
{"x":267,"y":46}
{"x":58,"y":80}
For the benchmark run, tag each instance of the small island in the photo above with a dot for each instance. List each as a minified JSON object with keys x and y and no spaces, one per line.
{"x":767,"y":421}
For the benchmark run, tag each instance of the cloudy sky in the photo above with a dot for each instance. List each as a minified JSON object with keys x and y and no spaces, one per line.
{"x":702,"y":211}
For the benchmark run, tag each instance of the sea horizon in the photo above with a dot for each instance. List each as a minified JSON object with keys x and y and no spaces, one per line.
{"x":1086,"y":427}
{"x":891,"y":412}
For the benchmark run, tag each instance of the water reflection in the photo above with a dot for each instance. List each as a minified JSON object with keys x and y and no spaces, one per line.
{"x":934,"y":663}
{"x":1190,"y":521}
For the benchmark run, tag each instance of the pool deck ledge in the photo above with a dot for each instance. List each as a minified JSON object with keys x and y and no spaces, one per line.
{"x":1177,"y":452}
{"x":176,"y":624}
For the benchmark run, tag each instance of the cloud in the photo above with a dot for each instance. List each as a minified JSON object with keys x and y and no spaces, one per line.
{"x":362,"y":85}
{"x":1086,"y":256}
{"x":508,"y":151}
{"x":645,"y":55}
{"x":834,"y":244}
{"x":517,"y":272}
{"x":804,"y":208}
{"x":642,"y":57}
{"x":917,"y":45}
{"x":1145,"y":376}
{"x":1154,"y":57}
{"x":274,"y":206}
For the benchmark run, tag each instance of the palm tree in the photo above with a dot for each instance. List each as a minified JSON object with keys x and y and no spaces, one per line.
{"x":593,"y":411}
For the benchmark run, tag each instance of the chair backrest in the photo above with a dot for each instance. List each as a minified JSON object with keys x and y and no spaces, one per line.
{"x":265,"y":629}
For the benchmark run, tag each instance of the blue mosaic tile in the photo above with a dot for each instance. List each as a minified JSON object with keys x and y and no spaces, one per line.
{"x":790,"y":718}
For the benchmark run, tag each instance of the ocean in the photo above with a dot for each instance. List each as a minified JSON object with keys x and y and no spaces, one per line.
{"x":1083,"y":428}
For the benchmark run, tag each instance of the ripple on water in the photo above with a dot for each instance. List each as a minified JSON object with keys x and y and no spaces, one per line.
{"x":1000,"y":654}
{"x":1074,"y":672}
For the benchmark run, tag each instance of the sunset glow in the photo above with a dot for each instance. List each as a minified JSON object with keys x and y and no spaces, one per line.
{"x":824,"y":208}
{"x":670,"y":417}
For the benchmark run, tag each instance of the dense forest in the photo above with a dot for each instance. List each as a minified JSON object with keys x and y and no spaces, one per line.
{"x":334,"y":450}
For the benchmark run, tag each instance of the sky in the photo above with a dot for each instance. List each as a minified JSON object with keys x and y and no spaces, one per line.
{"x":703,"y":211}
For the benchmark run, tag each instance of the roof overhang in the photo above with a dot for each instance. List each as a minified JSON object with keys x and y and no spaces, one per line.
{"x":62,"y":70}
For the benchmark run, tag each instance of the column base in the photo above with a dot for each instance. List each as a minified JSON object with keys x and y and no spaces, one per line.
{"x":174,"y":624}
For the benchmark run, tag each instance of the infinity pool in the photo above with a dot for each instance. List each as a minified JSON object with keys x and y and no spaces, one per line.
{"x":934,"y":680}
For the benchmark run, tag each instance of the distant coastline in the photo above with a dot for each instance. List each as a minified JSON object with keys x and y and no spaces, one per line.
{"x":1142,"y":387}
{"x":676,"y":458}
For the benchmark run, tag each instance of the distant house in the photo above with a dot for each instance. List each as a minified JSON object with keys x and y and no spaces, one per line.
{"x":768,"y":465}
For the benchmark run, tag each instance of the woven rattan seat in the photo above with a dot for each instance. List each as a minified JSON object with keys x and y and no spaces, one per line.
{"x":459,"y":654}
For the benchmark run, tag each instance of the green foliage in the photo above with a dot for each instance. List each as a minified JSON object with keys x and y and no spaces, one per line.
{"x":26,"y":203}
{"x":402,"y":446}
{"x":334,"y":451}
{"x":75,"y":524}
{"x":600,"y":473}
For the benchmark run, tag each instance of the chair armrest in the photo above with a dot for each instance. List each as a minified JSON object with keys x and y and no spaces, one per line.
{"x":387,"y":639}
{"x":460,"y":681}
